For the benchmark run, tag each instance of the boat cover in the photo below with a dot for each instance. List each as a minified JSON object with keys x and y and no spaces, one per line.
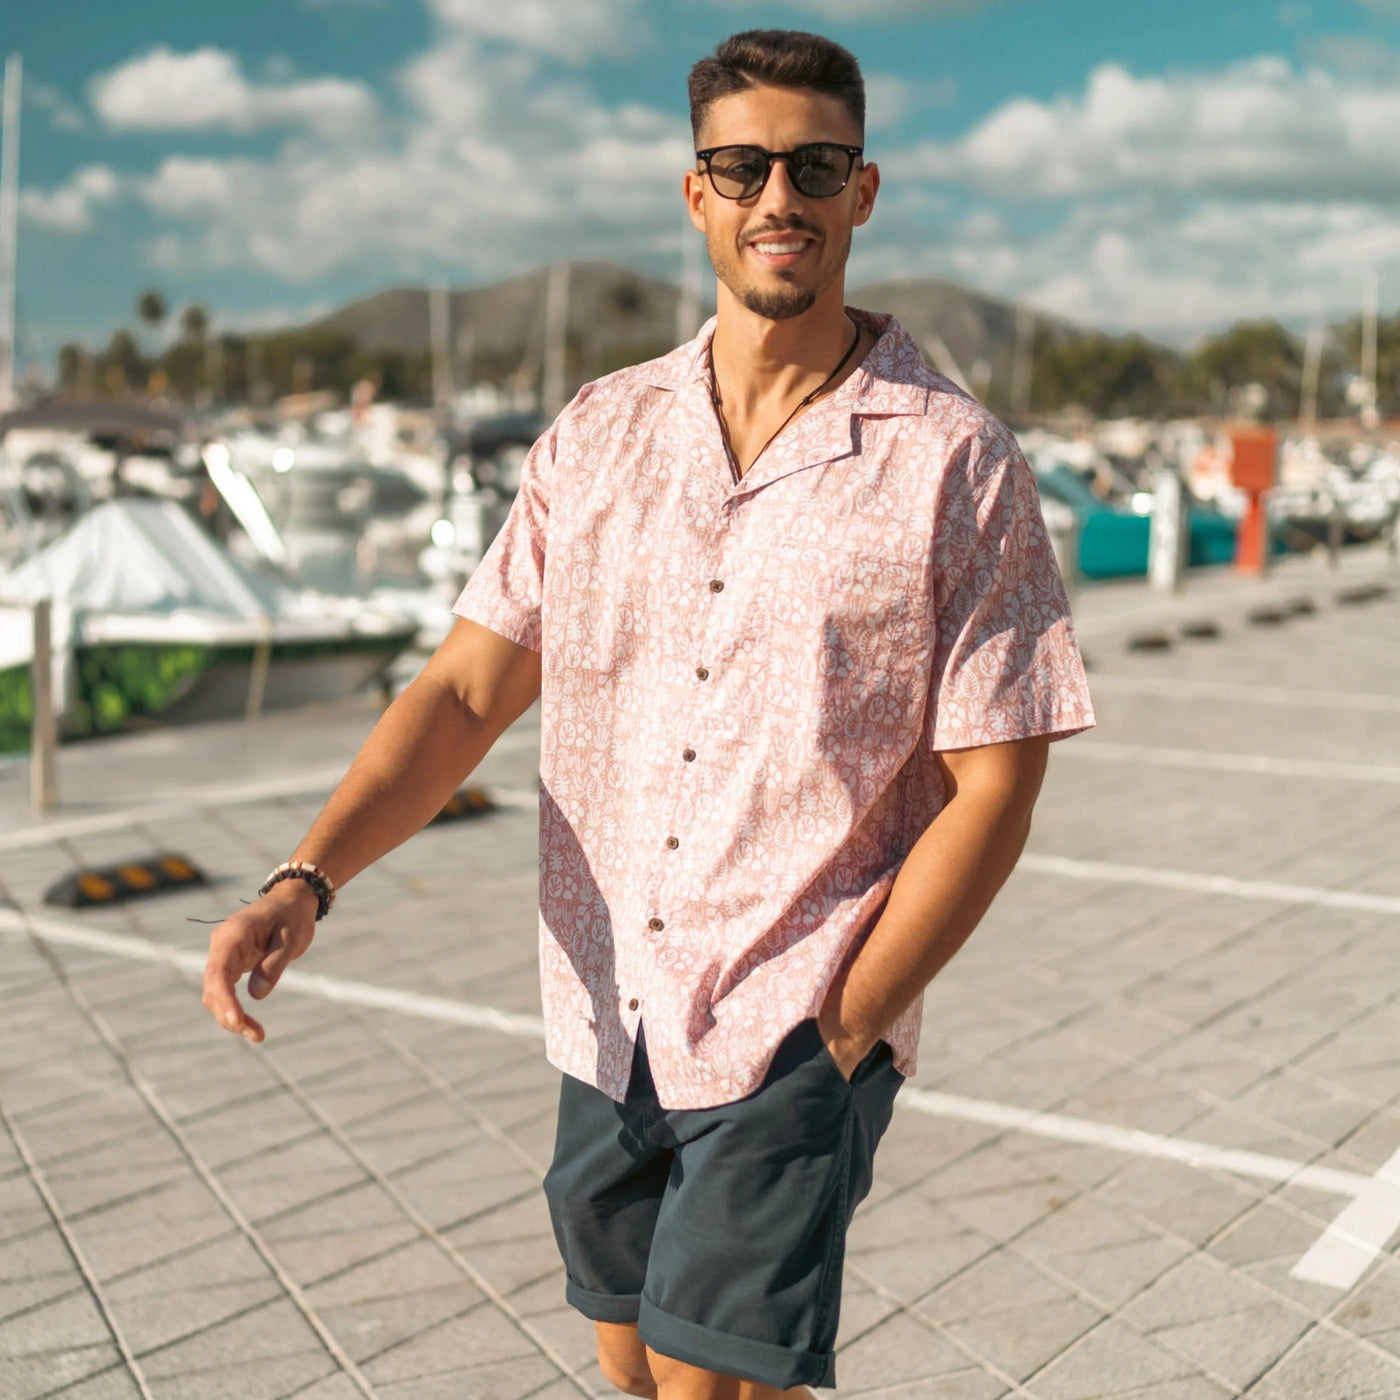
{"x":138,"y":555}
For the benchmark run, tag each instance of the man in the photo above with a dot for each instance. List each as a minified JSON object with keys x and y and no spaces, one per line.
{"x":787,"y":597}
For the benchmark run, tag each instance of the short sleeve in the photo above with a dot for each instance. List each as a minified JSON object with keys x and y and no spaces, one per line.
{"x":506,"y":590}
{"x":1006,"y":664}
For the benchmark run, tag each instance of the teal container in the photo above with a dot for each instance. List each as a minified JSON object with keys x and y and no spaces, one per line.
{"x":1113,"y":540}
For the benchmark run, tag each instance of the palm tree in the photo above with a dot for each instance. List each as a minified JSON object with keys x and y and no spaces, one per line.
{"x":150,"y":307}
{"x":194,"y":322}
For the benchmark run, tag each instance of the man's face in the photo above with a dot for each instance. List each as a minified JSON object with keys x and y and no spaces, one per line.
{"x":779,"y":251}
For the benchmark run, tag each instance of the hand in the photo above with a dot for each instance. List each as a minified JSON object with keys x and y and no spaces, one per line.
{"x":845,"y":1048}
{"x":258,"y":941}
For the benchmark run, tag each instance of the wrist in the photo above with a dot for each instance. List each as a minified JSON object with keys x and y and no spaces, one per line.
{"x":293,"y":892}
{"x":302,"y":873}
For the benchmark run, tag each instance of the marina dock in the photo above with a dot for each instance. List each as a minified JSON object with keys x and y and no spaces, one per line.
{"x":1152,"y":1149}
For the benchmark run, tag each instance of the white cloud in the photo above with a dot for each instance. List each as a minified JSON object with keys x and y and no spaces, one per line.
{"x":493,"y":167}
{"x":888,"y":99}
{"x":878,"y":9}
{"x":68,"y":208}
{"x":571,"y":30}
{"x":1259,"y":129}
{"x":62,"y":114}
{"x":1170,"y":269}
{"x":206,"y":89}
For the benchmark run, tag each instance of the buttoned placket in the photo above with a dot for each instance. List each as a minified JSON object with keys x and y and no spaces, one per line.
{"x":711,"y":613}
{"x":705,"y":641}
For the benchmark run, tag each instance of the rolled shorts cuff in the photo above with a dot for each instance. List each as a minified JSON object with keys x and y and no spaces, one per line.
{"x":602,"y":1307}
{"x":730,"y":1355}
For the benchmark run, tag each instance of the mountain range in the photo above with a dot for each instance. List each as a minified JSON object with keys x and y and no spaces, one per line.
{"x":616,"y":317}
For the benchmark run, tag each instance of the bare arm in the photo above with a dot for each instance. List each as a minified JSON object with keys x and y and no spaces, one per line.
{"x":946,"y":885}
{"x":426,"y":743}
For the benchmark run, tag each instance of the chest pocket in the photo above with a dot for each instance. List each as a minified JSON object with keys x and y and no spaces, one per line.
{"x":845,"y":635}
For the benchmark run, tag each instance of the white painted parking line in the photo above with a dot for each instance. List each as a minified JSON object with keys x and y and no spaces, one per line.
{"x":428,"y":1008}
{"x":1174,"y":688}
{"x":1110,"y":872}
{"x":1357,"y":1236}
{"x":1102,"y":751}
{"x":1337,"y":1260}
{"x":317,"y":780}
{"x":1090,"y":1133}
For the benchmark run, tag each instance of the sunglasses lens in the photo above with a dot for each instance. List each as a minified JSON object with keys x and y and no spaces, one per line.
{"x":820,"y":171}
{"x":738,"y":171}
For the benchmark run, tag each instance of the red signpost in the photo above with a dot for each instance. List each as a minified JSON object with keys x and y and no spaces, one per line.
{"x":1253,"y":470}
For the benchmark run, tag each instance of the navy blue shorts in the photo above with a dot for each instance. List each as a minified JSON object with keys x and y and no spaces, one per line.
{"x":721,"y":1232}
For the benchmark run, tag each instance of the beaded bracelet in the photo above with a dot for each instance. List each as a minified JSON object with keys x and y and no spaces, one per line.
{"x":320,"y":882}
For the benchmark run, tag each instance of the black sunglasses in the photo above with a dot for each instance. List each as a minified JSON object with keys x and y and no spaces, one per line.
{"x":818,"y":170}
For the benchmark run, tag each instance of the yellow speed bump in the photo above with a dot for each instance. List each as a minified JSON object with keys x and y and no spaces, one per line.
{"x":464,"y":803}
{"x":110,"y":884}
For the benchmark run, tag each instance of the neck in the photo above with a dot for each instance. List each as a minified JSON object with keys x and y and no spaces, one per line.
{"x":756,"y":359}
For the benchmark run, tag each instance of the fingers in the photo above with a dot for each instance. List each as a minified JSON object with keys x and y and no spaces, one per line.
{"x":265,"y":975}
{"x":235,"y":947}
{"x":259,"y":942}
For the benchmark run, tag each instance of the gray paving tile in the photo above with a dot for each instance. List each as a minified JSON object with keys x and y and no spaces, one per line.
{"x":1324,"y":1364}
{"x":27,"y":1377}
{"x":1111,"y":1360}
{"x":898,"y":1351}
{"x":1021,"y":1340}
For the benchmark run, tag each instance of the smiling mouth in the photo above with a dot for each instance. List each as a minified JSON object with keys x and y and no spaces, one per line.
{"x":786,"y":245}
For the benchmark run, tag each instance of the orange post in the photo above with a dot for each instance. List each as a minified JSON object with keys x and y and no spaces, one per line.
{"x":1253,"y":470}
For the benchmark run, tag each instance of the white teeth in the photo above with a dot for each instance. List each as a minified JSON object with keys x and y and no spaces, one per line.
{"x":777,"y":249}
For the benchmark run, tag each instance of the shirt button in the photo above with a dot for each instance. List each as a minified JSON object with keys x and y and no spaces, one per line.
{"x":688,"y":755}
{"x":702,"y":673}
{"x":656,"y":925}
{"x":632,"y":1005}
{"x":672,"y":843}
{"x":716,"y":585}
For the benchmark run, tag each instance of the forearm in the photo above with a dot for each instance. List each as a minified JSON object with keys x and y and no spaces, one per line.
{"x":944,"y":888}
{"x":424,"y":746}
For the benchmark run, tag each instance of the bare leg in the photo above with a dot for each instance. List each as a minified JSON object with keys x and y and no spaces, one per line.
{"x":675,"y":1380}
{"x":623,"y":1359}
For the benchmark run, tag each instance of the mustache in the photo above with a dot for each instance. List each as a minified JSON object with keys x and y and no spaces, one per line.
{"x":792,"y":226}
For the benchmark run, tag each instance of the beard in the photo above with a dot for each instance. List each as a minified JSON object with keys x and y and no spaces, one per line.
{"x":787,"y":299}
{"x":778,"y":303}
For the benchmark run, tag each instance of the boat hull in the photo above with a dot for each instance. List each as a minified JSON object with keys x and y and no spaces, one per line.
{"x":119,"y":686}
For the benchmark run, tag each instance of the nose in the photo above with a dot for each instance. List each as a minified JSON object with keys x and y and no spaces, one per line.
{"x":778,"y":195}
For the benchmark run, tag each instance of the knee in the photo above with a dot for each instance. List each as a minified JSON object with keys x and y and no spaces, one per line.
{"x":628,"y":1372}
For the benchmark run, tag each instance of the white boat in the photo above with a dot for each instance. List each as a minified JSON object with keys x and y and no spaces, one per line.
{"x":153,"y":620}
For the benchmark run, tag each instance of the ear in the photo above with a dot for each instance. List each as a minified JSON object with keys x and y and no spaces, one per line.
{"x":694,"y":187}
{"x":867,"y":187}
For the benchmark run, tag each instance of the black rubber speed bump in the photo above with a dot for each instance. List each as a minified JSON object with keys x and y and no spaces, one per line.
{"x":1267,"y":616}
{"x":129,"y":879}
{"x":1361,"y":593}
{"x":1150,"y":641}
{"x":465,"y":803}
{"x":1200,"y":629}
{"x":1301,"y":606}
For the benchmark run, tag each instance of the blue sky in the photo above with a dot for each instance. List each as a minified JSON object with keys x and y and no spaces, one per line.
{"x":1161,"y":167}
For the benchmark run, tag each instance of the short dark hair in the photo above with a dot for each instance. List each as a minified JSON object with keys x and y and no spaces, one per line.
{"x":780,"y":57}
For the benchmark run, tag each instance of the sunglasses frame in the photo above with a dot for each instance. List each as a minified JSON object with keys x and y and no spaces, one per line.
{"x":852,"y":153}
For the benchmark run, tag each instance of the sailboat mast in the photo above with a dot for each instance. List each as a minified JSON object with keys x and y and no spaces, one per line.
{"x":9,"y":226}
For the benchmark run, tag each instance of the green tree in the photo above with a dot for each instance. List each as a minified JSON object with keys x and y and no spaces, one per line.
{"x":70,"y":366}
{"x":1110,"y":376}
{"x":1250,"y":352}
{"x":194,"y":324}
{"x":121,"y":365}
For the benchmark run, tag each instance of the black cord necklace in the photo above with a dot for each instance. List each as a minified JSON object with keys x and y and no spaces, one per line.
{"x":719,"y":405}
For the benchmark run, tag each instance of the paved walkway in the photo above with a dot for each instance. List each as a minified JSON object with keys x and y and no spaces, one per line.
{"x":1153,"y":1149}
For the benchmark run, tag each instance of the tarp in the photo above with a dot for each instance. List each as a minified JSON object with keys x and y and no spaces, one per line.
{"x":137,"y":555}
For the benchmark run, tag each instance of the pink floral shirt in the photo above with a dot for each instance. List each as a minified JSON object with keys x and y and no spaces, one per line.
{"x":744,"y":686}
